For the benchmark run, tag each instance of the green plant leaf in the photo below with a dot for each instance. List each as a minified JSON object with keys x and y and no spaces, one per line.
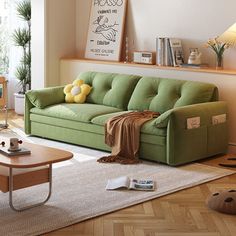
{"x":24,"y":10}
{"x":21,"y":37}
{"x":26,"y":60}
{"x":22,"y":76}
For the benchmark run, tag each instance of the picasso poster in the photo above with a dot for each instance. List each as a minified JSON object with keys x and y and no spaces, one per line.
{"x":106,"y":27}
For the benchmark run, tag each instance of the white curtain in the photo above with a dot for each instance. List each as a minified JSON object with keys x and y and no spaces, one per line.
{"x":10,"y":23}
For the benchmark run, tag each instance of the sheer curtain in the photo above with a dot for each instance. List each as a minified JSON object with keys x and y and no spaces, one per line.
{"x":9,"y":22}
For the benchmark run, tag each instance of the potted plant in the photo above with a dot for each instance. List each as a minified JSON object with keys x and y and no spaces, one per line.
{"x":22,"y":38}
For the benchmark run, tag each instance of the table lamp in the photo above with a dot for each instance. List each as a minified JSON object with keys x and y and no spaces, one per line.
{"x":224,"y":201}
{"x":229,"y":36}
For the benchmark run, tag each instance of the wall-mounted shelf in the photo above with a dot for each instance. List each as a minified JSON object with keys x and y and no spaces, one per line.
{"x":203,"y":70}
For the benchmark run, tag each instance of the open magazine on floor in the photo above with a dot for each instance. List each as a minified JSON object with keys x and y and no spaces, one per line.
{"x":130,"y":183}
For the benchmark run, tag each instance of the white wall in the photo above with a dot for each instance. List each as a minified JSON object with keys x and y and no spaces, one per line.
{"x":38,"y":44}
{"x":191,"y":20}
{"x":53,"y":37}
{"x":60,"y":36}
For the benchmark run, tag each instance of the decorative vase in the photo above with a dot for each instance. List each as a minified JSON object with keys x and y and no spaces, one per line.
{"x":219,"y":62}
{"x":19,"y":103}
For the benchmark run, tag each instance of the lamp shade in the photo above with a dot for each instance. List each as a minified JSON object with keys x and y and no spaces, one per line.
{"x":229,"y":36}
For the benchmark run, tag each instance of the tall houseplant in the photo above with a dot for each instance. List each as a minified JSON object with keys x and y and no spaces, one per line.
{"x":22,"y":38}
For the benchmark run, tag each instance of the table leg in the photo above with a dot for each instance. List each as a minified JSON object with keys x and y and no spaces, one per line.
{"x":11,"y":189}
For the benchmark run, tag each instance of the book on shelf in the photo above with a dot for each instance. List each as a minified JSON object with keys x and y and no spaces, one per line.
{"x":176,"y":51}
{"x":169,"y":52}
{"x":168,"y":60}
{"x":130,"y":183}
{"x":195,"y":66}
{"x":160,"y":51}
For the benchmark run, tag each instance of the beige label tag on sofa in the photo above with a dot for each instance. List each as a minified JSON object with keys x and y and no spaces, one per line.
{"x":219,"y":119}
{"x":193,"y":123}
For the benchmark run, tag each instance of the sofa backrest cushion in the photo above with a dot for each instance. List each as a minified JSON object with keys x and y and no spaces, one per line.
{"x":160,"y":95}
{"x":110,"y":89}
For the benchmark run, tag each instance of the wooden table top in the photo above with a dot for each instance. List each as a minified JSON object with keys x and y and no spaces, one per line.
{"x":40,"y":155}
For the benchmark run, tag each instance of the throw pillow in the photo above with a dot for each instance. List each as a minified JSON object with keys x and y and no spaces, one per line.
{"x":77,"y":91}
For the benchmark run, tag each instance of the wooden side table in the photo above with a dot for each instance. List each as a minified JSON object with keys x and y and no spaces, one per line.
{"x":41,"y":159}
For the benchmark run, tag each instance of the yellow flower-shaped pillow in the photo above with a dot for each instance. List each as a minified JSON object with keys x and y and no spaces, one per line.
{"x":76,"y":92}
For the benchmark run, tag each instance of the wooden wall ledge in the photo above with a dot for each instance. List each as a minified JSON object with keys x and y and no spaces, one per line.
{"x":203,"y":70}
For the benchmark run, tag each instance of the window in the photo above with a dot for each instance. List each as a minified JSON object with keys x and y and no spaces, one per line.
{"x":4,"y":38}
{"x":6,"y":4}
{"x":9,"y":21}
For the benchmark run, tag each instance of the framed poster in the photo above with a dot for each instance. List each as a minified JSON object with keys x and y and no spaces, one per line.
{"x":106,"y":28}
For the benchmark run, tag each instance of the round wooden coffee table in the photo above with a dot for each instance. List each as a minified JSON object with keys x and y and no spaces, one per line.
{"x":33,"y":169}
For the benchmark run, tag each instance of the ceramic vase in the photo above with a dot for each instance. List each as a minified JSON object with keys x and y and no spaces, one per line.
{"x":19,"y":103}
{"x":219,"y":62}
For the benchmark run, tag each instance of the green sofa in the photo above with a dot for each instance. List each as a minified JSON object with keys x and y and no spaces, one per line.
{"x":164,"y":139}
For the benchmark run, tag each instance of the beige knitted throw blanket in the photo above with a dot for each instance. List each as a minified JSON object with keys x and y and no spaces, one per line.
{"x":122,"y":133}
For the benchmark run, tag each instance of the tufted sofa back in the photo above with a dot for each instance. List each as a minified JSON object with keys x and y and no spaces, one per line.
{"x":160,"y":95}
{"x":110,"y":89}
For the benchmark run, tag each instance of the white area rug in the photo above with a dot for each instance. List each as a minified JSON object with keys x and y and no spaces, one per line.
{"x":79,"y":190}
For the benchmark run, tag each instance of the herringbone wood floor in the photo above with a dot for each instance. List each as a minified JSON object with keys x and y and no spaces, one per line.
{"x":180,"y":214}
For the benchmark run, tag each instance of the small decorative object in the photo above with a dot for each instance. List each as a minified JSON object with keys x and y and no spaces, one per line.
{"x":106,"y":28}
{"x":194,"y":57}
{"x":77,"y":91}
{"x":126,"y":50}
{"x":14,"y":145}
{"x":224,"y":202}
{"x":218,"y":47}
{"x":13,"y":149}
{"x":144,"y":58}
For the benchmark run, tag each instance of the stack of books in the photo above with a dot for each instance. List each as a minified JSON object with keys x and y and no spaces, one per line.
{"x":169,"y":52}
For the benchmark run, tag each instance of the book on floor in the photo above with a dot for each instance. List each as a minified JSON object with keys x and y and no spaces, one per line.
{"x":130,"y":183}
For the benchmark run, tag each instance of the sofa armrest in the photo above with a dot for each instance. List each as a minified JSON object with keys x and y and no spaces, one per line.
{"x":46,"y":97}
{"x":190,"y":111}
{"x":41,"y":99}
{"x":185,"y":145}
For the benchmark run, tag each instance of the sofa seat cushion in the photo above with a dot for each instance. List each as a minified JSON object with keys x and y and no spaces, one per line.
{"x":70,"y":126}
{"x":77,"y":112}
{"x":148,"y":127}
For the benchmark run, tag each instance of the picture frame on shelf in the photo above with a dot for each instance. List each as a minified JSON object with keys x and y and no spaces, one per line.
{"x":106,"y":29}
